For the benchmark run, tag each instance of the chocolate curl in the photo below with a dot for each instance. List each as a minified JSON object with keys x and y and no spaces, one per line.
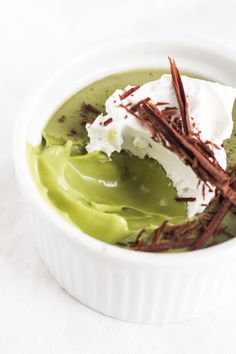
{"x":129,"y":92}
{"x":180,"y":95}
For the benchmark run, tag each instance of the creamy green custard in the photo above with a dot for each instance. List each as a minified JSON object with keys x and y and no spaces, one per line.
{"x":113,"y":198}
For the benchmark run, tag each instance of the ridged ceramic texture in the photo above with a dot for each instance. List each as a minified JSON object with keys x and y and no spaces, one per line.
{"x":160,"y":295}
{"x":128,"y":285}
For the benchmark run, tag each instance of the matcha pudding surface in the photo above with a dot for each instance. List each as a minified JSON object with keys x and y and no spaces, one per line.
{"x":115,"y":198}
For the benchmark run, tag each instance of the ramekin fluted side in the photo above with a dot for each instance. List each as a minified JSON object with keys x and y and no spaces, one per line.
{"x":160,"y":294}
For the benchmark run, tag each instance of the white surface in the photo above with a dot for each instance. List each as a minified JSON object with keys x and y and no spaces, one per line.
{"x":36,"y":316}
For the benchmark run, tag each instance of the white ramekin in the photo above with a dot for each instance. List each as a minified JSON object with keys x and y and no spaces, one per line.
{"x":127,"y":285}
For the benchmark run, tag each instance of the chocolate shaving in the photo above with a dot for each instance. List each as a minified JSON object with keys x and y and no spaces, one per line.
{"x":85,"y":121}
{"x":185,"y":199}
{"x":203,"y":191}
{"x":62,"y":119}
{"x":108,"y":121}
{"x":181,"y":97}
{"x":89,"y":107}
{"x":72,"y":132}
{"x":169,"y":110}
{"x":135,"y":107}
{"x":165,"y":246}
{"x":138,"y":241}
{"x":129,"y":92}
{"x":162,"y":103}
{"x":158,"y":233}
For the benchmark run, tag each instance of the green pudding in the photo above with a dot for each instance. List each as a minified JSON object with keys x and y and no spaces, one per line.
{"x":111,"y":199}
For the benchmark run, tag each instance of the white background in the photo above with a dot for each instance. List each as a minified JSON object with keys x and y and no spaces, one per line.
{"x":36,"y":316}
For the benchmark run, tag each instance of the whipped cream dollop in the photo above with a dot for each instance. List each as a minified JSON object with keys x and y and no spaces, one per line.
{"x":210,"y":109}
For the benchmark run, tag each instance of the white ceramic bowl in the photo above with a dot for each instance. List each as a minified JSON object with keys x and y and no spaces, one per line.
{"x":128,"y":285}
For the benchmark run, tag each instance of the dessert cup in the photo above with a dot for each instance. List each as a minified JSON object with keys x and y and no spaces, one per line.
{"x":128,"y":285}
